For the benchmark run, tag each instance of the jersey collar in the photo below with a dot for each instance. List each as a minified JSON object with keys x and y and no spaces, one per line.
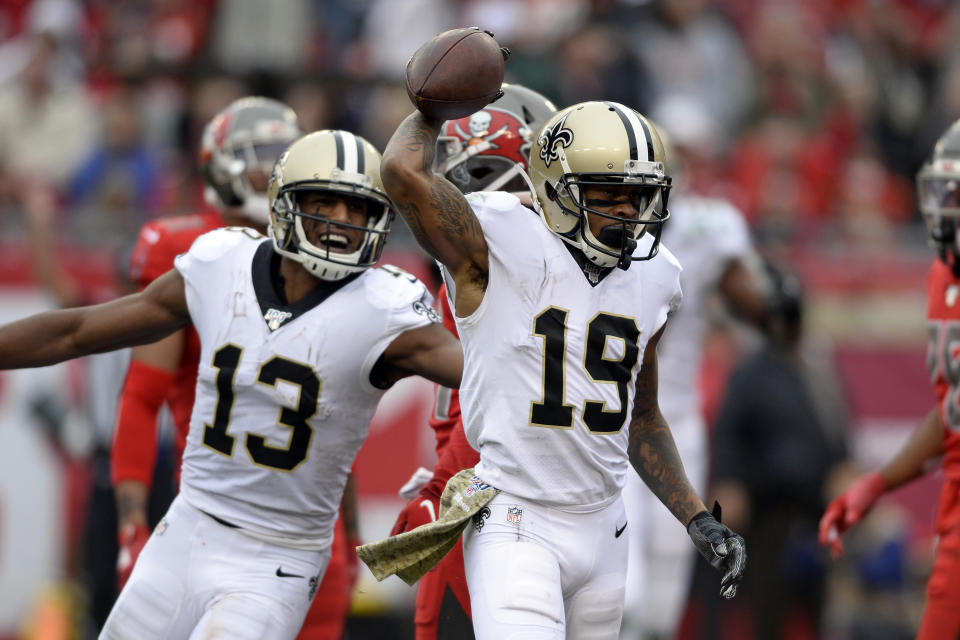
{"x":268,"y":287}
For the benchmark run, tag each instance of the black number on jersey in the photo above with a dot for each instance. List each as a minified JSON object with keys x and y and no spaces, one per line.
{"x":216,"y":437}
{"x":275,"y":369}
{"x":552,"y":411}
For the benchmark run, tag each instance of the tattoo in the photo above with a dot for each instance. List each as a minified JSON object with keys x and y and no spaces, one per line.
{"x":420,"y":138}
{"x":414,"y":218}
{"x":456,"y":218}
{"x":444,"y":217}
{"x":653,"y":452}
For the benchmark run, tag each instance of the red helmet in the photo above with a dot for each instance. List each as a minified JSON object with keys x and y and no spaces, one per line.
{"x":481,"y":152}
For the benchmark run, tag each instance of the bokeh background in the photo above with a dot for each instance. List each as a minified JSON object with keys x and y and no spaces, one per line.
{"x":811,"y":116}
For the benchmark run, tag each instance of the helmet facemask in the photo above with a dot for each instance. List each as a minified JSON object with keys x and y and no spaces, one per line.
{"x":329,"y":260}
{"x":591,"y":147}
{"x":938,"y":194}
{"x":489,"y":150}
{"x":469,"y":171}
{"x":245,"y":139}
{"x":642,"y":184}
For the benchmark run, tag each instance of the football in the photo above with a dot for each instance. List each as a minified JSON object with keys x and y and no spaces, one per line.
{"x":455,"y":73}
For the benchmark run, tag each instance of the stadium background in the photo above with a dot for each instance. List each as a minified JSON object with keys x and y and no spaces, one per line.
{"x":811,"y":116}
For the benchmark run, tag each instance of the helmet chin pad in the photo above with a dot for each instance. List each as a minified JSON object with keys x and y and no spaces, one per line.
{"x":617,"y":237}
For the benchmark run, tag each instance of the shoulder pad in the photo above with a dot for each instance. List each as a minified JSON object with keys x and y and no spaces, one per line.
{"x":214,"y":244}
{"x":493,"y":200}
{"x":391,"y":286}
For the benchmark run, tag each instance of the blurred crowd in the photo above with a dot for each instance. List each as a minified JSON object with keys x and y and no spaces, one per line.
{"x":812,"y":117}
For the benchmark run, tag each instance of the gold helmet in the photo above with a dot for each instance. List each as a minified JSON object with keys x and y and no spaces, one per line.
{"x":596,"y":144}
{"x":335,"y":161}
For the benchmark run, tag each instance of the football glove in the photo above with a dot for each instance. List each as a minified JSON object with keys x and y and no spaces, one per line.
{"x":722,"y":548}
{"x":423,"y":509}
{"x":131,"y":539}
{"x":848,"y":508}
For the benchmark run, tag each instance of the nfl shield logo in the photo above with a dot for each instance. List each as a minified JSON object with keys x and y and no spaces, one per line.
{"x":514,"y":514}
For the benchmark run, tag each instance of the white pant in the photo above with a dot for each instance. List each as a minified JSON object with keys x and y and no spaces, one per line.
{"x":540,"y":573}
{"x":661,"y":552}
{"x":197,"y":578}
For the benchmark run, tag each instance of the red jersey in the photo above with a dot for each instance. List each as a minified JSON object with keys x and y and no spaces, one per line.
{"x":943,"y":357}
{"x":159,"y":242}
{"x":446,"y":410}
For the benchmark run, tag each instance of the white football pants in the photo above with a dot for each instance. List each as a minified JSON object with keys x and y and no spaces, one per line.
{"x":537,"y":573}
{"x":661,"y":552}
{"x":197,"y":578}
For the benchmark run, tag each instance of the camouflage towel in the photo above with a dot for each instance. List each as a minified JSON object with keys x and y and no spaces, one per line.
{"x":412,"y":553}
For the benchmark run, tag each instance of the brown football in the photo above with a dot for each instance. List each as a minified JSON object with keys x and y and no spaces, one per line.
{"x":455,"y":73}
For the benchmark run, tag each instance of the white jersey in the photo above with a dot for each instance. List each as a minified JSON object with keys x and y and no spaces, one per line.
{"x":284,"y":398}
{"x":551,"y":361}
{"x":704,"y":234}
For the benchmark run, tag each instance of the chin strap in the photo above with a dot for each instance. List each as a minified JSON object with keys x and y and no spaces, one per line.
{"x":626,"y":255}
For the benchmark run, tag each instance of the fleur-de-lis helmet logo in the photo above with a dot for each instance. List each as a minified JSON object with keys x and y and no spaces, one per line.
{"x":553,"y":136}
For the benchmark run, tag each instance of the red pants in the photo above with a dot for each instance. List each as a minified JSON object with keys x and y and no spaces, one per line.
{"x":328,"y":613}
{"x":443,"y":602}
{"x":941,"y":616}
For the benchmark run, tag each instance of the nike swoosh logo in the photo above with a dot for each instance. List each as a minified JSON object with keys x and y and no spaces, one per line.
{"x":428,"y":505}
{"x":620,"y":530}
{"x":283,"y":574}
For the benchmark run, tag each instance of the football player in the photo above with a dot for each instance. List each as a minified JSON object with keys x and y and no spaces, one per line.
{"x":486,"y":151}
{"x":710,"y":238}
{"x":239,"y":147}
{"x":560,"y":382}
{"x":938,"y":192}
{"x":299,"y":339}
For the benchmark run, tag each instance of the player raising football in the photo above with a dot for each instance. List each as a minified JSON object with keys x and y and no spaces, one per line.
{"x":559,"y":312}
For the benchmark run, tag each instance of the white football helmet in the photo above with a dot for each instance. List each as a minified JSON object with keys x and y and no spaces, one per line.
{"x":938,"y":194}
{"x":336,"y":161}
{"x":596,"y":144}
{"x":248,"y":135}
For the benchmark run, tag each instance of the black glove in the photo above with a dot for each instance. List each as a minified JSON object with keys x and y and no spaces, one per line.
{"x":723,"y":549}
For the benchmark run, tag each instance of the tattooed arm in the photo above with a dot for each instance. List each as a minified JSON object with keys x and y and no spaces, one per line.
{"x":652,"y":450}
{"x":436,"y":212}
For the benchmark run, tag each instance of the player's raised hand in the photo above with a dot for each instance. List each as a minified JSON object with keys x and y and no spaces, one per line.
{"x":848,"y":508}
{"x":422,"y":509}
{"x":132,"y":538}
{"x":456,"y":73}
{"x":722,"y":548}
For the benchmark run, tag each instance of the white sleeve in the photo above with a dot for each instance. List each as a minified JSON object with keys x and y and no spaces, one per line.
{"x":408,"y":306}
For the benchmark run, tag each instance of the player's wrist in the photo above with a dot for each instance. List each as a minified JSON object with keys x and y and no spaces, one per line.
{"x":700,"y":515}
{"x":873,"y":484}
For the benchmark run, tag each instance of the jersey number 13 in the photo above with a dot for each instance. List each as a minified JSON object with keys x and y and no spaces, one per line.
{"x":215,"y":435}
